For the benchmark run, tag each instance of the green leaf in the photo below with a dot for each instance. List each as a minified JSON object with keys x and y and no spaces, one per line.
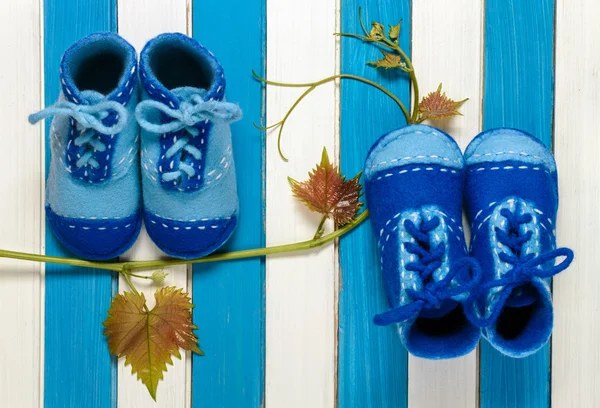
{"x":388,"y":61}
{"x":395,"y":32}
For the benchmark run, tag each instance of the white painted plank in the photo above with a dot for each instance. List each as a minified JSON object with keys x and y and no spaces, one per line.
{"x":575,"y":350}
{"x":139,"y":21}
{"x":453,"y":57}
{"x":21,"y":217}
{"x":300,"y":289}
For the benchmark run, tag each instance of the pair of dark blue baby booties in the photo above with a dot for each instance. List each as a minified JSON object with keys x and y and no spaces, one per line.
{"x":443,"y":294}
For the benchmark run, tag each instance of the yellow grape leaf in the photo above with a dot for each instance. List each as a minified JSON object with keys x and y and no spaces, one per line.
{"x":437,"y":105}
{"x":148,"y":339}
{"x":395,"y":32}
{"x":377,"y":31}
{"x":388,"y":61}
{"x":328,"y":193}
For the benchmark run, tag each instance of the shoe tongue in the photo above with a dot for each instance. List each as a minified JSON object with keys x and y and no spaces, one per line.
{"x":522,"y":296}
{"x":185,"y":93}
{"x":446,"y":307}
{"x":92,"y":96}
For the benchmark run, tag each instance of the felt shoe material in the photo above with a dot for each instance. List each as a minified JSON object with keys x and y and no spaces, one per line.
{"x":189,"y":184}
{"x":105,"y":237}
{"x":93,"y":190}
{"x":414,"y":180}
{"x":511,"y":198}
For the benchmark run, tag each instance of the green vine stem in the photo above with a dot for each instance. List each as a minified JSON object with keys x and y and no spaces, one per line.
{"x":321,"y":227}
{"x":135,"y":275}
{"x":127,"y":278}
{"x":125,"y":268}
{"x":387,"y":43}
{"x":311,"y":87}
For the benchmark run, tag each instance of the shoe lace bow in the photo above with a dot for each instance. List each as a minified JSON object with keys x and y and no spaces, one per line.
{"x":432,"y":293}
{"x":89,"y":118}
{"x":189,"y":114}
{"x":525,"y":268}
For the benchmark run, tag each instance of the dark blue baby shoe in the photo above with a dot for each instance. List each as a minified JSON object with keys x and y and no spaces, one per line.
{"x":93,"y":189}
{"x":414,"y":180}
{"x":511,"y":198}
{"x":189,"y":184}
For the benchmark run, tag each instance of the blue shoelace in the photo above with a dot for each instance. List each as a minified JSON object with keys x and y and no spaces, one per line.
{"x":524,"y":269}
{"x":186,"y":117}
{"x":433,"y":294}
{"x":89,"y":119}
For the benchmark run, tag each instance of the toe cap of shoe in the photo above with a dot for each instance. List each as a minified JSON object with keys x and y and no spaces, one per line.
{"x":505,"y":144}
{"x":95,"y":238}
{"x":189,"y":239}
{"x":414,"y":144}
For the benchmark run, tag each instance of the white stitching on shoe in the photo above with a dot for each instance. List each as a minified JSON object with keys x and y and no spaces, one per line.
{"x":201,"y":227}
{"x":507,"y":168}
{"x":442,"y":169}
{"x":382,"y":163}
{"x":396,"y":226}
{"x":476,"y":229}
{"x":510,"y":152}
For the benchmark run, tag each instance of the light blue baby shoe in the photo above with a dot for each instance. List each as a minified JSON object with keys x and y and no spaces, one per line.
{"x":414,"y":179}
{"x":189,"y":185}
{"x":511,"y":197}
{"x":93,"y":187}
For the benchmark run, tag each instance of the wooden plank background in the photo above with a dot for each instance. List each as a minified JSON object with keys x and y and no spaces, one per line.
{"x":518,"y":92}
{"x":76,"y":299}
{"x":575,"y":351}
{"x":296,"y":330}
{"x":21,"y":304}
{"x":373,"y":367}
{"x":300,"y":322}
{"x":229,"y":297}
{"x":137,"y":28}
{"x":433,"y":384}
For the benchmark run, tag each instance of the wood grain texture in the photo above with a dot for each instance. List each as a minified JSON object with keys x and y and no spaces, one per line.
{"x":139,"y":21}
{"x":77,"y":366}
{"x":229,"y":296}
{"x":454,"y":58}
{"x":518,"y":92}
{"x":575,"y":350}
{"x":21,"y":218}
{"x":372,"y":369}
{"x":300,"y":323}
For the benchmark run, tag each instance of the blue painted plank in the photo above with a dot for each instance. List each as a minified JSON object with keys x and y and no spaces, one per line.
{"x":229,"y":297}
{"x":373,"y":365}
{"x":518,"y":92}
{"x":78,"y":370}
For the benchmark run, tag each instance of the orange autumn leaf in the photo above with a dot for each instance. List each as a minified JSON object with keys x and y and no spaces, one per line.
{"x":148,"y":338}
{"x":437,"y":105}
{"x":327,"y":192}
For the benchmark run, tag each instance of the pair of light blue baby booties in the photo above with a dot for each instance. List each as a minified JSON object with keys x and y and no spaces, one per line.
{"x":177,"y":173}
